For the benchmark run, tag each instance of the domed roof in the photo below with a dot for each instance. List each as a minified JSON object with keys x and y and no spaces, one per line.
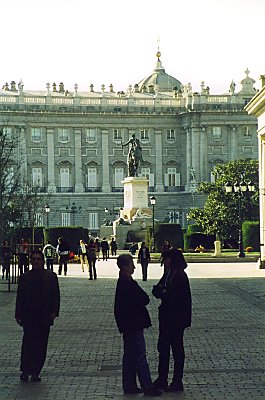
{"x":160,"y":78}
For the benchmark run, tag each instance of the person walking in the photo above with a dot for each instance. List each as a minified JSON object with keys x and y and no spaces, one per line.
{"x":63,"y":251}
{"x":82,"y":253}
{"x":92,"y":259}
{"x":23,"y":257}
{"x":165,"y":247}
{"x":97,"y":244}
{"x":37,"y":305}
{"x":5,"y":256}
{"x":144,"y":258}
{"x":113,"y":247}
{"x":132,"y":318}
{"x":49,"y":252}
{"x":104,"y":248}
{"x":174,"y":317}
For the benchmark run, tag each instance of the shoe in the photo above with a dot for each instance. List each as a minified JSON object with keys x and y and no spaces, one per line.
{"x":133,"y":391}
{"x":24,"y":377}
{"x":175,"y":387}
{"x":35,"y":378}
{"x":160,"y":385}
{"x":91,"y":279}
{"x":153,"y":392}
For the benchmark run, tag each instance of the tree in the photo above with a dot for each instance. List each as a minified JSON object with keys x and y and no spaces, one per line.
{"x":10,"y":180}
{"x":220,"y":214}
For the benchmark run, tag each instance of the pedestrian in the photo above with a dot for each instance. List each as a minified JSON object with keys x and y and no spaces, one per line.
{"x":92,"y":259}
{"x":174,"y":317}
{"x":165,"y":247}
{"x":49,"y":252}
{"x":144,"y":258}
{"x":132,"y":318}
{"x":113,"y":247}
{"x":82,"y":253}
{"x":97,"y":244}
{"x":63,"y":251}
{"x":104,"y":248}
{"x":37,"y":305}
{"x":5,"y":256}
{"x":23,"y":256}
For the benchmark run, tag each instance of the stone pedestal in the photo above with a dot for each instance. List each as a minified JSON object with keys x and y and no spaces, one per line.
{"x":217,"y":248}
{"x":135,"y":198}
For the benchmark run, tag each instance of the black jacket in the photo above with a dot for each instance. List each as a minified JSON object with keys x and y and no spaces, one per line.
{"x":38,"y":297}
{"x":130,"y":306}
{"x":176,"y":304}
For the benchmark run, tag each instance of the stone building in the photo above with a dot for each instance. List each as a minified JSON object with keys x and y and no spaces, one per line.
{"x":70,"y":143}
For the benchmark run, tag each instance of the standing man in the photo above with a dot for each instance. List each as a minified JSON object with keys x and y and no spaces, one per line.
{"x":132,"y":318}
{"x":174,"y":317}
{"x":63,"y":254}
{"x":144,"y":258}
{"x":104,"y":248}
{"x":23,"y":257}
{"x":113,"y":247}
{"x":49,"y":252}
{"x":37,"y":305}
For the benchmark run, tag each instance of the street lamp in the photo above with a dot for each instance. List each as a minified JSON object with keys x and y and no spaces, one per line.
{"x":47,"y":210}
{"x":240,"y":189}
{"x":73,"y":210}
{"x":153,"y":203}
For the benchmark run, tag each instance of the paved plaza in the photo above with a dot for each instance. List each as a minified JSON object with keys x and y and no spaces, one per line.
{"x":225,"y":346}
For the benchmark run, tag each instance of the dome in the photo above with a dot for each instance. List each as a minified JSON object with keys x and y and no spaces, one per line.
{"x":160,"y":78}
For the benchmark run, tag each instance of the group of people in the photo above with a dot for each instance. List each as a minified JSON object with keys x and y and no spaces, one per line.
{"x":38,"y":303}
{"x":132,"y":318}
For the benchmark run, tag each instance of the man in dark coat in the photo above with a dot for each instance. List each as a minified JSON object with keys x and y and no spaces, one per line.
{"x":132,"y":318}
{"x":37,"y":305}
{"x":174,"y":316}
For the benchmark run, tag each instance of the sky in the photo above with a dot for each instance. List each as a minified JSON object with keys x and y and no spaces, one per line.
{"x":115,"y":42}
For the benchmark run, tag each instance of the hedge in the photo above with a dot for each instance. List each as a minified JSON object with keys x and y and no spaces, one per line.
{"x":196,"y":239}
{"x":165,"y":231}
{"x":251,"y":234}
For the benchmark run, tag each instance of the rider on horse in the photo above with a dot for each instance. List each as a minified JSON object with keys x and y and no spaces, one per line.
{"x":134,"y":155}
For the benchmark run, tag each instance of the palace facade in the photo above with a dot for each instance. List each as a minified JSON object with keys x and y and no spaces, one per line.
{"x":70,"y":143}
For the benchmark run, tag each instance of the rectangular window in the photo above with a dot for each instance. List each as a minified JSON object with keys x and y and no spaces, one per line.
{"x":92,"y":177}
{"x":247,"y":134}
{"x":217,"y":133}
{"x":36,"y":177}
{"x":93,"y":220}
{"x":171,"y":135}
{"x":117,"y":135}
{"x":63,"y":135}
{"x":145,"y":173}
{"x":144,"y":135}
{"x":66,"y":220}
{"x":91,"y":135}
{"x":36,"y":134}
{"x":64,"y":177}
{"x":38,"y":219}
{"x":172,"y":178}
{"x":118,"y":177}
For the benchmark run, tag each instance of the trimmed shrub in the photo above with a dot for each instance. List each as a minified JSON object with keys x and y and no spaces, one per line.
{"x":251,"y":234}
{"x":193,"y":228}
{"x":199,"y":239}
{"x":71,"y":235}
{"x":171,"y":232}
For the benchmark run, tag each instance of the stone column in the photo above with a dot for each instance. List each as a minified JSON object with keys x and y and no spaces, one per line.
{"x":195,"y":151}
{"x":262,"y":198}
{"x":105,"y":161}
{"x":22,"y":152}
{"x":79,"y":186}
{"x":233,"y":147}
{"x":203,"y":154}
{"x":159,"y":186}
{"x":188,"y":154}
{"x":50,"y":156}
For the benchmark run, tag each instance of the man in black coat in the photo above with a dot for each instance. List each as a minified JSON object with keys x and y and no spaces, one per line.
{"x":174,"y":317}
{"x":37,"y":305}
{"x":132,"y":318}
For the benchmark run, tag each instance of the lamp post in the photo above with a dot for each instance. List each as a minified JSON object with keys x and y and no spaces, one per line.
{"x":47,"y":210}
{"x":153,"y":203}
{"x":240,"y":189}
{"x":73,"y":210}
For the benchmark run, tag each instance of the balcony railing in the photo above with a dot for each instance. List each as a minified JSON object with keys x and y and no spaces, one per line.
{"x":69,"y":189}
{"x":174,"y":188}
{"x":93,"y":189}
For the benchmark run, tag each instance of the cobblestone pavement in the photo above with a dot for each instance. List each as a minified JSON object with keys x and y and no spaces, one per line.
{"x":225,"y":346}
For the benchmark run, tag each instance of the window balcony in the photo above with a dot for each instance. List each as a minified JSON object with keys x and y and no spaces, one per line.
{"x":117,"y":189}
{"x":66,"y":189}
{"x":174,"y":188}
{"x":93,"y":189}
